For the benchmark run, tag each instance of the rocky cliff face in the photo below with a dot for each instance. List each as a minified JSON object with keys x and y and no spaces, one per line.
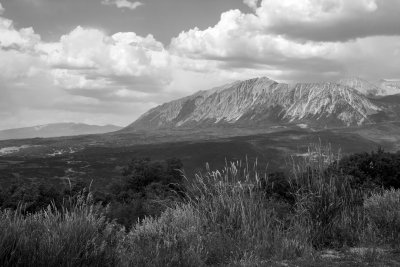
{"x":263,"y":101}
{"x":328,"y":103}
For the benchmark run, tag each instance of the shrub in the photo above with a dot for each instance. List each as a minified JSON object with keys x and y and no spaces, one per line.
{"x":34,"y":196}
{"x":126,"y":214}
{"x":277,"y":186}
{"x":143,"y":172}
{"x":173,"y":239}
{"x":146,"y":188}
{"x":373,"y":169}
{"x":79,"y":236}
{"x":383,"y":213}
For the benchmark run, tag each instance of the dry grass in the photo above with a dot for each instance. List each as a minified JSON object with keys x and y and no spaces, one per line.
{"x":326,"y":203}
{"x":74,"y":237}
{"x":228,"y":218}
{"x":383,"y":213}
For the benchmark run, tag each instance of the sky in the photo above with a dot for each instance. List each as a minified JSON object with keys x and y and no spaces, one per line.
{"x":109,"y":61}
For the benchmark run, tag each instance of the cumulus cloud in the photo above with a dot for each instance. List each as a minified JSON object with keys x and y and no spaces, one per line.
{"x":91,"y":76}
{"x":276,"y":38}
{"x":17,"y":51}
{"x":329,"y":20}
{"x":117,"y":76}
{"x":122,"y":4}
{"x":22,"y":39}
{"x":123,"y":60}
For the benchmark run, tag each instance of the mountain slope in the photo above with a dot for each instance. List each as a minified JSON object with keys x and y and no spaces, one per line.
{"x":391,"y":87}
{"x":55,"y":130}
{"x":263,"y":101}
{"x":362,"y":86}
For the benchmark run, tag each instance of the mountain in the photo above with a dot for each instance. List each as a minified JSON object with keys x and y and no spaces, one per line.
{"x":55,"y":130}
{"x":381,"y":88}
{"x":391,"y":87}
{"x":364,"y":87}
{"x":263,"y":102}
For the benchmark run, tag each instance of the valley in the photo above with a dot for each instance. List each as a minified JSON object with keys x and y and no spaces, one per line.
{"x":101,"y":158}
{"x":253,"y":119}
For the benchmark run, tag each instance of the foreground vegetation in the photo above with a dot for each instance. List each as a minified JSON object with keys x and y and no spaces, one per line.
{"x":238,"y":216}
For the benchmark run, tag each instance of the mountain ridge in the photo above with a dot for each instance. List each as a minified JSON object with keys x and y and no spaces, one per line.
{"x":261,"y":101}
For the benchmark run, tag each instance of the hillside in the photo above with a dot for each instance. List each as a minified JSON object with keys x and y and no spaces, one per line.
{"x":56,"y":130}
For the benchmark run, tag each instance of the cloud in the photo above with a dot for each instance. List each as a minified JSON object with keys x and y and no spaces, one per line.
{"x":22,"y":39}
{"x":278,"y":39}
{"x":17,"y":51}
{"x":329,"y":20}
{"x":112,"y":61}
{"x":251,"y":3}
{"x":1,"y":9}
{"x":123,"y":4}
{"x":115,"y":79}
{"x":91,"y":76}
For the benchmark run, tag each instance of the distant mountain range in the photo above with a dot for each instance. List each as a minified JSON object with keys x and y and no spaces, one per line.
{"x":56,"y":130}
{"x":264,"y":102}
{"x":372,"y":89}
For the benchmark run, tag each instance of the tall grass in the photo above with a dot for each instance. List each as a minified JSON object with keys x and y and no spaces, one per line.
{"x":226,"y":218}
{"x":77,"y":236}
{"x":229,"y":217}
{"x":383,"y":213}
{"x":326,"y":202}
{"x":232,"y":203}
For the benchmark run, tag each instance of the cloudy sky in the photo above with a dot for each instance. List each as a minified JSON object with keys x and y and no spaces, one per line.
{"x":108,"y":61}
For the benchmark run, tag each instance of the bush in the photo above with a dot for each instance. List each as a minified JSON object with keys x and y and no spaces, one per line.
{"x":142,"y":172}
{"x":79,"y":236}
{"x":373,"y":169}
{"x":173,"y":239}
{"x":127,"y":214}
{"x":277,"y":186}
{"x":383,"y":213}
{"x":34,"y":196}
